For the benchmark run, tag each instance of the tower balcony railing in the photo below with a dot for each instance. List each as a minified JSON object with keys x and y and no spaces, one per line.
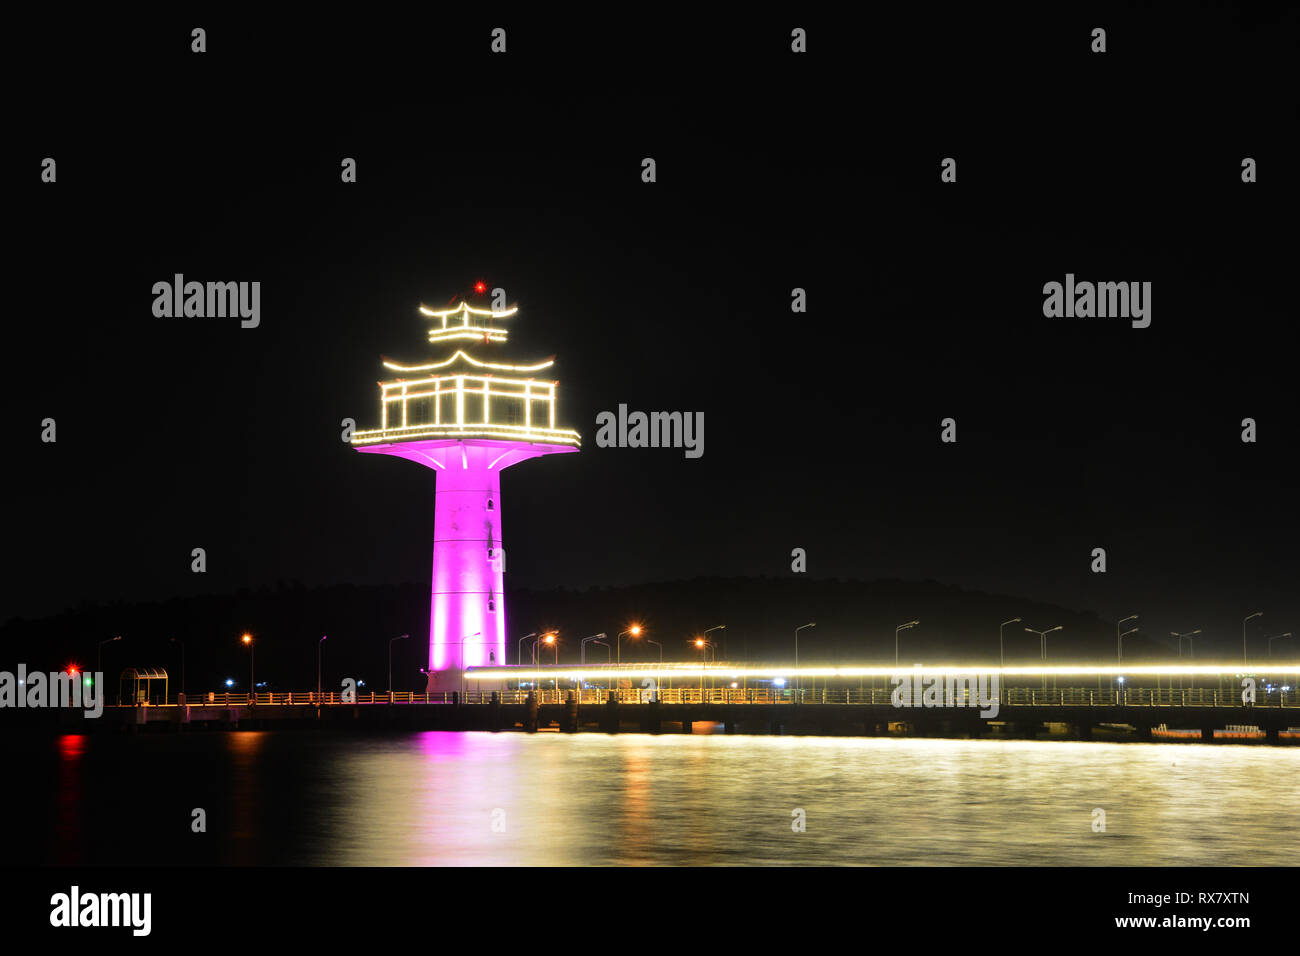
{"x":462,"y":406}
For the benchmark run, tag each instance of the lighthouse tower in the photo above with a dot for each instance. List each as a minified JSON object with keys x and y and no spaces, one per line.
{"x":468,"y":414}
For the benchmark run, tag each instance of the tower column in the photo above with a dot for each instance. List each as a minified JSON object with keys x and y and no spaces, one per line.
{"x":467,"y":614}
{"x":467,"y":604}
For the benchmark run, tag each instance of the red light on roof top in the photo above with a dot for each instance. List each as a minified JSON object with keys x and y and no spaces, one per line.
{"x":480,"y":286}
{"x":72,"y":669}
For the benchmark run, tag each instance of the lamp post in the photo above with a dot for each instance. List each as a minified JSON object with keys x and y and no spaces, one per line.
{"x":548,"y":639}
{"x":1179,"y":637}
{"x":400,"y":637}
{"x":1119,"y":651}
{"x":252,"y":654}
{"x":519,"y":656}
{"x":704,"y":647}
{"x":1042,"y":636}
{"x":598,"y":638}
{"x":1002,"y":646}
{"x":182,"y":644}
{"x":318,"y":650}
{"x":99,"y":656}
{"x":1243,"y":633}
{"x":634,"y":630}
{"x":897,"y":631}
{"x":1274,"y":638}
{"x":798,"y":679}
{"x":661,"y":649}
{"x":460,"y":655}
{"x":720,"y":627}
{"x":1131,"y":630}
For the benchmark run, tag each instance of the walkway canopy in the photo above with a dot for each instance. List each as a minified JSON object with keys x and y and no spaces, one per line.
{"x":140,"y":685}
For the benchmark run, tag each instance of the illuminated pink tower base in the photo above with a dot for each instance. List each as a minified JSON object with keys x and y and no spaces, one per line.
{"x":467,"y":616}
{"x":468,"y":417}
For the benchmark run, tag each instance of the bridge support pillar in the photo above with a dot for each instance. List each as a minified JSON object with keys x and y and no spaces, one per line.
{"x":1207,"y":733}
{"x":610,"y":721}
{"x":571,"y":714}
{"x":1271,"y":734}
{"x":729,"y":726}
{"x":1144,"y":732}
{"x":494,"y":713}
{"x":651,"y":722}
{"x":687,"y":726}
{"x":530,"y":713}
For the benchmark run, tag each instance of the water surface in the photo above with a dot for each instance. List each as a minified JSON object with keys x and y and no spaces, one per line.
{"x":477,"y":798}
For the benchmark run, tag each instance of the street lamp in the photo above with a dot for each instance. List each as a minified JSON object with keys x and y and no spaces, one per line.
{"x":400,"y":637}
{"x":1042,"y":636}
{"x":658,"y":645}
{"x":1002,"y":647}
{"x":1274,"y":638}
{"x":1188,"y":635}
{"x":460,"y":655}
{"x":897,"y":630}
{"x":720,"y":627}
{"x":704,"y":647}
{"x":1243,"y":633}
{"x":598,"y":638}
{"x":1131,"y":630}
{"x":252,"y":653}
{"x":99,"y":655}
{"x":548,"y":639}
{"x":182,"y":644}
{"x":1119,"y":653}
{"x":798,"y":679}
{"x":634,"y":630}
{"x":318,"y":650}
{"x":519,"y":655}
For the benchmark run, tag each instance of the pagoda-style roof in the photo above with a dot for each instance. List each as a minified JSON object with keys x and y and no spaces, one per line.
{"x":465,"y":322}
{"x":463,"y":361}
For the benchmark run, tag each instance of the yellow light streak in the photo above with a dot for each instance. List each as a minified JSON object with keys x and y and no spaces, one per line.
{"x":724,"y":669}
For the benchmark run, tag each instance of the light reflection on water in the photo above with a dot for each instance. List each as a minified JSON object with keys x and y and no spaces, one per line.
{"x":590,"y":799}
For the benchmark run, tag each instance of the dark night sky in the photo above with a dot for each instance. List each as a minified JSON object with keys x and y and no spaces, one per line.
{"x":822,"y":430}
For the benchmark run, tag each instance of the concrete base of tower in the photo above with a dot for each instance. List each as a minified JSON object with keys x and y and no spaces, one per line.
{"x":444,"y":682}
{"x":453,"y":679}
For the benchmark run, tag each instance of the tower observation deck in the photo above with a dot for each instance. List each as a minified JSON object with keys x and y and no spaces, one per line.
{"x":468,"y":415}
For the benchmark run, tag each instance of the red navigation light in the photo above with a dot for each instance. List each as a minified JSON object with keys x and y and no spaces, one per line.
{"x":72,"y":669}
{"x":480,"y":286}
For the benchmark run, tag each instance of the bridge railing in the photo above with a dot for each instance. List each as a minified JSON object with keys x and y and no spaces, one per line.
{"x":1007,"y":697}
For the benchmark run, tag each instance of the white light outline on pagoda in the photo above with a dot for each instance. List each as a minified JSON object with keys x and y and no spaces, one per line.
{"x":472,"y":361}
{"x":465,"y":330}
{"x":474,"y":334}
{"x":527,"y":390}
{"x":466,"y":307}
